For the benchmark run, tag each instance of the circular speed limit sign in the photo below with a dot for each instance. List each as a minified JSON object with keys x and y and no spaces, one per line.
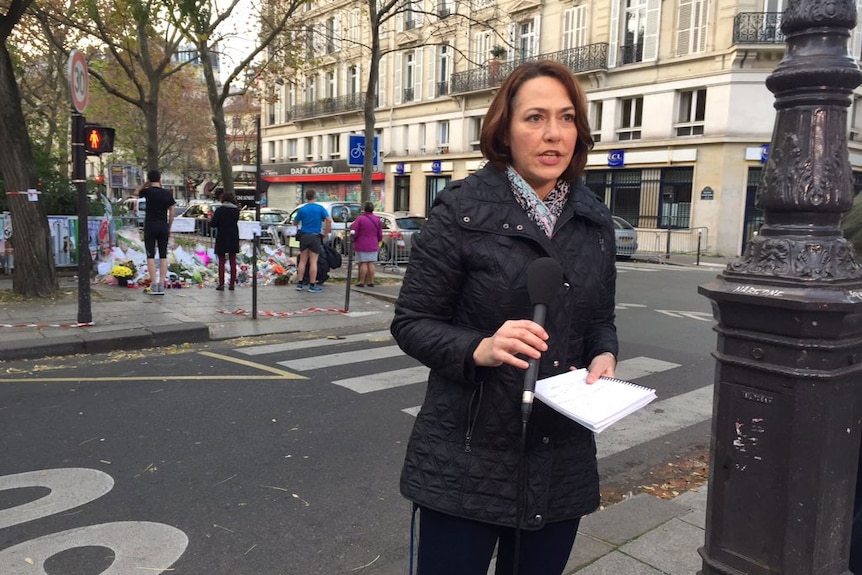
{"x":79,"y":81}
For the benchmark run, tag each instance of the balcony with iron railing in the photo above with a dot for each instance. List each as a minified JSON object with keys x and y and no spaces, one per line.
{"x":757,"y":28}
{"x":631,"y":53}
{"x":582,"y":59}
{"x":327,"y":107}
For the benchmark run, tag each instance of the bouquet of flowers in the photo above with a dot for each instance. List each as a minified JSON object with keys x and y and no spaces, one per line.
{"x":122,"y":272}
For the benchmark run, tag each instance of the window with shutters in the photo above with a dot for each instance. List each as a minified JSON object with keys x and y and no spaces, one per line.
{"x":482,"y":42}
{"x":443,"y":137}
{"x":475,"y":128}
{"x":334,"y":146}
{"x":574,"y":27}
{"x":355,"y":32}
{"x":408,"y":76}
{"x":631,"y":119}
{"x":634,"y":30}
{"x":691,"y":113}
{"x":691,"y":33}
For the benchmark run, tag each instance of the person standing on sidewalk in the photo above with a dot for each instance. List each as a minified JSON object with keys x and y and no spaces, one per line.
{"x":367,"y":235}
{"x":464,"y":311}
{"x":314,"y":224}
{"x":225,"y":221}
{"x":157,"y":228}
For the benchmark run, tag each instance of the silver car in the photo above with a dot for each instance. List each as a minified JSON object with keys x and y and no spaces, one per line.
{"x":398,"y":230}
{"x":626,"y":238}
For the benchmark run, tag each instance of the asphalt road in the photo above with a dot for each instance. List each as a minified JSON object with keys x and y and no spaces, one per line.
{"x":281,"y":455}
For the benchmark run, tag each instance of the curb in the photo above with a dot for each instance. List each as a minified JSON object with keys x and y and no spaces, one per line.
{"x":104,"y":341}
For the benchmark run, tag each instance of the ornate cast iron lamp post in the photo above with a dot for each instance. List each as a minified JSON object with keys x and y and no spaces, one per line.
{"x":786,"y":419}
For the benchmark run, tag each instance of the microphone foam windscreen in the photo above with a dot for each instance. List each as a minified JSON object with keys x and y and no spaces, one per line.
{"x":544,"y":277}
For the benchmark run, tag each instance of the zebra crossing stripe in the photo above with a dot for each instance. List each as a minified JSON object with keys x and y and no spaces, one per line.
{"x":632,"y":369}
{"x":342,"y":358}
{"x":312,"y":343}
{"x":385,"y":380}
{"x":655,"y":420}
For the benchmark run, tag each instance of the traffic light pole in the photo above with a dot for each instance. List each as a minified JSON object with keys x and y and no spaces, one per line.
{"x":85,"y":314}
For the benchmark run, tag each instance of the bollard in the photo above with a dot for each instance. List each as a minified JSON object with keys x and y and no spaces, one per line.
{"x":785,"y":428}
{"x":699,"y":236}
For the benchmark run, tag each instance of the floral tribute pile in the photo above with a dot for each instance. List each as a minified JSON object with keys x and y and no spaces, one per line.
{"x":190,"y":264}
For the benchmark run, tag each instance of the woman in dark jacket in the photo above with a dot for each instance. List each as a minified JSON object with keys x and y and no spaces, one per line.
{"x":225,"y":220}
{"x":463,"y":311}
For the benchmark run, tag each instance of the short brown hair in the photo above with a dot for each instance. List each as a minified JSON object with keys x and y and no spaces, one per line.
{"x":495,"y":128}
{"x":228,"y":197}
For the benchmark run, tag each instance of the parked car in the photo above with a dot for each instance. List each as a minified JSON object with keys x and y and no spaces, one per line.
{"x":203,"y":213}
{"x":398,"y":231}
{"x":626,"y":238}
{"x":269,"y":217}
{"x":135,"y":208}
{"x":342,"y":213}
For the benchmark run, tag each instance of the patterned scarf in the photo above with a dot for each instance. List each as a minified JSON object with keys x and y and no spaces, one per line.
{"x":543,"y":212}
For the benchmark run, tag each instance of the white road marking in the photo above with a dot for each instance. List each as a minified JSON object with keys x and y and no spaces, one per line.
{"x":385,"y":380}
{"x":312,"y":343}
{"x":342,"y":358}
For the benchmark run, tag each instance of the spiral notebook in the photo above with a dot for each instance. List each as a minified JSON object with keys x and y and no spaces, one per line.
{"x":595,"y":406}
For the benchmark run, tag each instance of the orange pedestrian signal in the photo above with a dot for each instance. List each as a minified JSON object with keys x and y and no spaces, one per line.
{"x":98,"y":139}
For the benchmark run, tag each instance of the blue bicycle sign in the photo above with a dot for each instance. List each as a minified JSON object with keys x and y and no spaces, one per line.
{"x":356,"y":147}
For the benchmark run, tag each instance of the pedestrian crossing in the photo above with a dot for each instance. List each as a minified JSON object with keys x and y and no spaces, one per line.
{"x":343,"y":357}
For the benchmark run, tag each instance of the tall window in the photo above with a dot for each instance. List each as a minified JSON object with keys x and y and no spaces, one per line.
{"x":527,"y":39}
{"x":311,"y":93}
{"x":634,"y":29}
{"x":574,"y":27}
{"x":291,"y":150}
{"x":405,"y":137}
{"x":596,"y":110}
{"x":631,"y":118}
{"x":482,"y":42}
{"x":443,"y":134}
{"x":443,"y":66}
{"x":402,"y":193}
{"x":691,"y":35}
{"x":475,"y":132}
{"x":353,"y":80}
{"x":355,"y":26}
{"x":332,"y":34}
{"x":309,"y":148}
{"x":331,"y":89}
{"x":444,"y":8}
{"x":692,"y":112}
{"x":422,"y":136}
{"x":334,"y":145}
{"x":408,"y":78}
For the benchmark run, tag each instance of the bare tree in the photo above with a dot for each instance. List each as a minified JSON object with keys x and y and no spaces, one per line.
{"x":201,"y":22}
{"x":34,"y":273}
{"x":379,"y":16}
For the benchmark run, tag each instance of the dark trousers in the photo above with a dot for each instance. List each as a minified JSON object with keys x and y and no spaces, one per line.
{"x":221,"y":262}
{"x":451,"y":545}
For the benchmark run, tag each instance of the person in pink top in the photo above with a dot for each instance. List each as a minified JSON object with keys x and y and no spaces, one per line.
{"x":367,"y":235}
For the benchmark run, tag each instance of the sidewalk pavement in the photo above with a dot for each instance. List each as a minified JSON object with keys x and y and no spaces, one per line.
{"x":642,"y":535}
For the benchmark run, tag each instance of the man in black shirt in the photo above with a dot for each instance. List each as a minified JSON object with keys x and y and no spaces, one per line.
{"x":157,"y":227}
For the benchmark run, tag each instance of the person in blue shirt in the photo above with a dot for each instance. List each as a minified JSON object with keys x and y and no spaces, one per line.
{"x":314,"y":223}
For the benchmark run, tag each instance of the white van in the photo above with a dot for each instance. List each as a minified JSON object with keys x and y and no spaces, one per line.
{"x":136,"y":207}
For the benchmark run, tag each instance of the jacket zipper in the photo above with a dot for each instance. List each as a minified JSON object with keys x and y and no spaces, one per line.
{"x":471,"y":417}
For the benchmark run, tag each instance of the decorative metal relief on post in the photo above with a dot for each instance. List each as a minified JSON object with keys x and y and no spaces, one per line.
{"x":807,"y":181}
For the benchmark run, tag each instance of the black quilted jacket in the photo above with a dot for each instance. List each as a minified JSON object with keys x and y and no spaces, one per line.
{"x":466,"y":277}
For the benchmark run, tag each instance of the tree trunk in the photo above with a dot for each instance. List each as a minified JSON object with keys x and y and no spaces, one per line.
{"x":370,"y":105}
{"x":34,"y":273}
{"x":217,"y":109}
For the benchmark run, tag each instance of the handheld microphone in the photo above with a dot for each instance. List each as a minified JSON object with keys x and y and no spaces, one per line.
{"x":544,"y":277}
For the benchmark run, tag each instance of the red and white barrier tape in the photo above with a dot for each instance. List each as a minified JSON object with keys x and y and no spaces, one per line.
{"x":77,"y":324}
{"x":283,"y":313}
